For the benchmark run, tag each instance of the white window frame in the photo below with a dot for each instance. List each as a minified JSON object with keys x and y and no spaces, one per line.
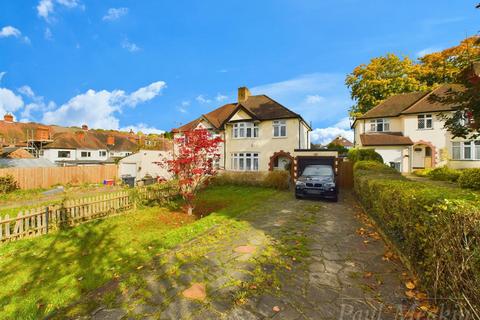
{"x":245,"y":130}
{"x":102,"y":153}
{"x":66,"y":151}
{"x":472,"y":146}
{"x":89,"y":154}
{"x":426,"y":120}
{"x":245,"y":161}
{"x":279,"y":128}
{"x":375,"y":124}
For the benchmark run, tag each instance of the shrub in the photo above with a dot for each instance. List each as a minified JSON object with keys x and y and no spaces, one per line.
{"x":272,"y":179}
{"x":277,"y":179}
{"x":444,"y":174}
{"x":421,"y":172}
{"x":8,"y":184}
{"x":437,"y":228}
{"x":356,"y":154}
{"x":470,"y":178}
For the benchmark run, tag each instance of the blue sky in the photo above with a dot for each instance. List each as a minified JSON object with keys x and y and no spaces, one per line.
{"x":152,"y":65}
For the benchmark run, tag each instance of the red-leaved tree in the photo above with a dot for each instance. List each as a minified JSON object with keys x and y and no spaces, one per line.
{"x":196,"y":153}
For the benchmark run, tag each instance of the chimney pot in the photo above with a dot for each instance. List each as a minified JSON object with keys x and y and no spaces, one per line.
{"x":8,"y":117}
{"x":84,"y":127}
{"x":243,"y":94}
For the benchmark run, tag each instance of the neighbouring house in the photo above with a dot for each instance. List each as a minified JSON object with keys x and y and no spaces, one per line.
{"x":342,"y":142}
{"x":145,"y":163}
{"x":14,"y":153}
{"x":407,"y":130}
{"x":258,"y":133}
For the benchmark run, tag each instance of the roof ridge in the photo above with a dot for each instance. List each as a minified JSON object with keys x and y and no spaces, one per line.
{"x":421,"y":99}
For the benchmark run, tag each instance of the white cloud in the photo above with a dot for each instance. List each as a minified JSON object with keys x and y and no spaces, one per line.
{"x":426,"y":51}
{"x":130,"y":46}
{"x":143,"y":128}
{"x":326,"y":135}
{"x":115,"y":13}
{"x":46,"y":7}
{"x":183,"y":106}
{"x":9,"y":101}
{"x":99,"y":109}
{"x":2,"y":74}
{"x":333,"y":99}
{"x":48,"y":34}
{"x":27,"y":91}
{"x":203,"y":99}
{"x":221,"y":97}
{"x":9,"y":31}
{"x":313,"y":99}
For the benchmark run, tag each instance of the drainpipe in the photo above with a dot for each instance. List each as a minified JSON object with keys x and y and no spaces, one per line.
{"x":299,"y":146}
{"x":225,"y":149}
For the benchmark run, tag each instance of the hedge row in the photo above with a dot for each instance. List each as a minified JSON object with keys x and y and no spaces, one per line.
{"x":466,"y":178}
{"x":273,"y":179}
{"x":437,"y":228}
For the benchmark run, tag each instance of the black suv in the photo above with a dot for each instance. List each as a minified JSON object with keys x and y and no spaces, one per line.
{"x":317,"y":181}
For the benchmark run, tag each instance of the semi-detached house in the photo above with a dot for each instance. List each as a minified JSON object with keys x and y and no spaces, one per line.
{"x":258,"y":133}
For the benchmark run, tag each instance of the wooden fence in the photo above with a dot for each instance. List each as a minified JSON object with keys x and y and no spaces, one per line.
{"x":31,"y":178}
{"x":38,"y":221}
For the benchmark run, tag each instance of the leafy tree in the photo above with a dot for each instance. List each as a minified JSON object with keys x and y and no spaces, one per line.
{"x":341,"y":149}
{"x":381,"y":78}
{"x":194,"y":163}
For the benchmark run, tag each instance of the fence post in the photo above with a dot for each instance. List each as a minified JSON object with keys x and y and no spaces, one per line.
{"x":46,"y":219}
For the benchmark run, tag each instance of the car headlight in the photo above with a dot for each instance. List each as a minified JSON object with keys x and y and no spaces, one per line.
{"x":300,"y":184}
{"x":330,"y":185}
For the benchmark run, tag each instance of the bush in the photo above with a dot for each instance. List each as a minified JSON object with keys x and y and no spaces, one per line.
{"x":8,"y":184}
{"x":421,"y":172}
{"x":444,"y":174}
{"x":272,"y":179}
{"x":437,"y":228}
{"x":470,"y":178}
{"x":356,"y":154}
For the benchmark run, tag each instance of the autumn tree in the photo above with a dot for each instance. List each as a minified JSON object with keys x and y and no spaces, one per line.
{"x":388,"y":75}
{"x":194,"y":163}
{"x":383,"y":77}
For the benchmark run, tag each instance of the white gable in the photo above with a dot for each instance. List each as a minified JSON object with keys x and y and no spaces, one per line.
{"x":240,"y":115}
{"x":204,"y":125}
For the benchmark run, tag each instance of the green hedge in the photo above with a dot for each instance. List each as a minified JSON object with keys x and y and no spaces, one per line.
{"x":444,"y":174}
{"x":356,"y":154}
{"x":470,"y":178}
{"x":437,"y":228}
{"x":273,"y":179}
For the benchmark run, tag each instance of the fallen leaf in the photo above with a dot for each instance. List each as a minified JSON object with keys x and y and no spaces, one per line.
{"x":139,"y":267}
{"x":410,"y":285}
{"x":276,"y":309}
{"x":410,"y":293}
{"x":367,"y":275}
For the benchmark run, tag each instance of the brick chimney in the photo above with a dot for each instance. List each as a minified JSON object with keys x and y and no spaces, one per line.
{"x":243,"y":94}
{"x":111,"y":140}
{"x":8,"y":117}
{"x":84,"y":127}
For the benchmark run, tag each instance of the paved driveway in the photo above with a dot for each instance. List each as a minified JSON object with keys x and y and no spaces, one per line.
{"x":289,"y":259}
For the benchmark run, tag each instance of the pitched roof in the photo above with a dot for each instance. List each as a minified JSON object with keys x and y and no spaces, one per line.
{"x":261,"y":107}
{"x":428,"y":104}
{"x":385,"y":139}
{"x":341,"y":141}
{"x":75,"y":140}
{"x":394,"y":105}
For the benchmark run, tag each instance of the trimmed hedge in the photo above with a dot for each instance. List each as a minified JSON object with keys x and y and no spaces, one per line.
{"x":470,"y":178}
{"x":356,"y":154}
{"x":444,"y":174}
{"x":273,"y":179}
{"x":437,"y":228}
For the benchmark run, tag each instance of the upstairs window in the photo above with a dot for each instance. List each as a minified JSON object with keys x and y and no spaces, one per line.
{"x":102,"y":153}
{"x":279,"y":128}
{"x":245,"y":130}
{"x":379,"y":125}
{"x":85,"y":154}
{"x":425,"y":121}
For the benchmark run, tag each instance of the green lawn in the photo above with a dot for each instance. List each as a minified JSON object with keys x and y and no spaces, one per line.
{"x":44,"y":274}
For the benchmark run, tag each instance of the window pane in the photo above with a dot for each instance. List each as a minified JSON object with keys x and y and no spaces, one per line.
{"x":386,"y":126}
{"x":242,"y":133}
{"x":255,"y":164}
{"x":456,"y":155}
{"x":283,"y":132}
{"x":379,"y":127}
{"x":248,"y":165}
{"x":249,"y":132}
{"x":373,"y":126}
{"x":429,"y":123}
{"x":421,"y":122}
{"x":477,"y":150}
{"x":255,"y":132}
{"x":276,"y":131}
{"x":467,"y":150}
{"x":241,"y":164}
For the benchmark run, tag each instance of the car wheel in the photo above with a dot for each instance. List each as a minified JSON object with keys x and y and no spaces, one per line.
{"x":335,"y":199}
{"x":298,"y":197}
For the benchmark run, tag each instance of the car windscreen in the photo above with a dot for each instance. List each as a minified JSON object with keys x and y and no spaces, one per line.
{"x":318,"y":171}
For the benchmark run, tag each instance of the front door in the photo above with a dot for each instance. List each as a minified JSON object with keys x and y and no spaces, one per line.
{"x":418,"y":161}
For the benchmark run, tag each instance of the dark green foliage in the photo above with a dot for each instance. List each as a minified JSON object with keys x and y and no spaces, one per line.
{"x":8,"y":184}
{"x":444,"y":174}
{"x":272,"y":179}
{"x":470,"y":178}
{"x":356,"y":154}
{"x":437,"y":228}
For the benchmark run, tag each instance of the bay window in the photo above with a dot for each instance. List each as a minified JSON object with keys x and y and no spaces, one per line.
{"x":279,"y":128}
{"x":245,"y":130}
{"x":425,"y":121}
{"x":379,"y":125}
{"x":245,"y":161}
{"x":466,"y":150}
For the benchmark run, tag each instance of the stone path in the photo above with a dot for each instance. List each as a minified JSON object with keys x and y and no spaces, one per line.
{"x":288,"y":259}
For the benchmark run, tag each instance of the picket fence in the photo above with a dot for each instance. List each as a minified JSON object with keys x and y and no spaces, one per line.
{"x":38,"y":221}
